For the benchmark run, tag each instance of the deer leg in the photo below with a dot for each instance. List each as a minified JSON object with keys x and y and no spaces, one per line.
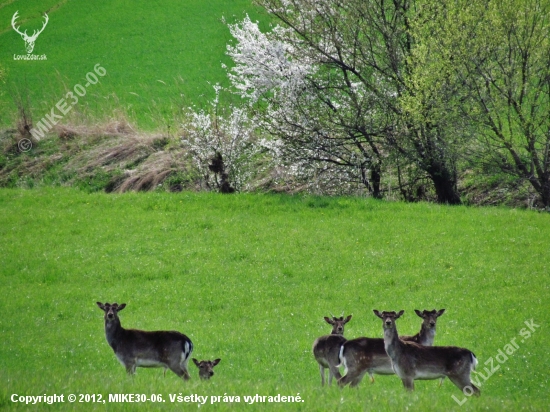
{"x":333,"y":372}
{"x":463,"y":383}
{"x":322,"y":372}
{"x":186,"y":375}
{"x":178,"y":370}
{"x":130,"y":368}
{"x":408,"y":383}
{"x":357,"y":379}
{"x":371,"y":377}
{"x":183,"y":366}
{"x":351,"y":378}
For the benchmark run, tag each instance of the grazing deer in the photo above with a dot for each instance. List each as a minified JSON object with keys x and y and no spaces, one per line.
{"x":412,"y":361}
{"x":206,"y":368}
{"x":326,"y":348}
{"x":368,"y":355}
{"x":29,"y":40}
{"x":133,"y":348}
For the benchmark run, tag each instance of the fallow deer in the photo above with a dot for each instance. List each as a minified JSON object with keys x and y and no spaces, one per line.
{"x":412,"y":361}
{"x":206,"y":368}
{"x":138,"y":348}
{"x":326,"y":348}
{"x":368,"y":355}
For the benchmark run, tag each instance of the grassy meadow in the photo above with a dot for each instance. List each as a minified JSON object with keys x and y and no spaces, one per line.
{"x":159,"y":56}
{"x":249,"y":278}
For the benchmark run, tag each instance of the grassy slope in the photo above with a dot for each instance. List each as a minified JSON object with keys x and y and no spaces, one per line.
{"x":249,"y":279}
{"x":153,"y":51}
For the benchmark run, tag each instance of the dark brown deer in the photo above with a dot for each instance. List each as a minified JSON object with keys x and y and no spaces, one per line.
{"x":368,"y":355}
{"x":326,"y":348}
{"x":206,"y":368}
{"x":412,"y":361}
{"x":158,"y":349}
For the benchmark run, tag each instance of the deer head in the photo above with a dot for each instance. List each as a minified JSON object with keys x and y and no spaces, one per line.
{"x":29,"y":40}
{"x":337,"y":324}
{"x":430,"y":317}
{"x":206,"y":368}
{"x":389,"y":318}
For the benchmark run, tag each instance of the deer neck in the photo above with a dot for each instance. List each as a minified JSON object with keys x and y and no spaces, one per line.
{"x":392,"y":344}
{"x":113,"y":331}
{"x":426,"y":336}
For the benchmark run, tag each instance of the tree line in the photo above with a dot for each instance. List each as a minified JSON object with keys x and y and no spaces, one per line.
{"x":425,"y":90}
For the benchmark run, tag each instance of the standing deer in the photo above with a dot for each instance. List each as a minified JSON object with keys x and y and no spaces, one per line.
{"x":412,"y":361}
{"x":133,"y":348}
{"x":326,"y":348}
{"x":368,"y":355}
{"x":206,"y":368}
{"x":29,"y":40}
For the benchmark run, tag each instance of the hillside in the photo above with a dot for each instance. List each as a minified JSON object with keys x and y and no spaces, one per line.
{"x":159,"y":56}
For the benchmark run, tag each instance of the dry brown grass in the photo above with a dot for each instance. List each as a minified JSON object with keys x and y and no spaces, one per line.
{"x":134,"y":160}
{"x":151,"y":173}
{"x":144,"y":159}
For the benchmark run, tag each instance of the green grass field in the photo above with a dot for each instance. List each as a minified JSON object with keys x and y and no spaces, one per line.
{"x":159,"y":56}
{"x":249,"y":278}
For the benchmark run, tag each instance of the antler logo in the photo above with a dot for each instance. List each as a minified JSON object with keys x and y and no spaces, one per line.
{"x":29,"y":40}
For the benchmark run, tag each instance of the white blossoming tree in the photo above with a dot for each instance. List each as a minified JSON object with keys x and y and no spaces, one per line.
{"x":223,"y":148}
{"x":330,"y":82}
{"x":323,"y":125}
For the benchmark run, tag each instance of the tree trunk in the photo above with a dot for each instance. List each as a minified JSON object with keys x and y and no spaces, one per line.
{"x":445,"y":183}
{"x":545,"y":194}
{"x":376,"y":177}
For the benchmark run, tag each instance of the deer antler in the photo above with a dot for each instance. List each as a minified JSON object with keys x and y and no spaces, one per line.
{"x":15,"y":16}
{"x":25,"y":35}
{"x":35,"y":34}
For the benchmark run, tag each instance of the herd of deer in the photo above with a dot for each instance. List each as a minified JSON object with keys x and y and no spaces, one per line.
{"x":409,"y":357}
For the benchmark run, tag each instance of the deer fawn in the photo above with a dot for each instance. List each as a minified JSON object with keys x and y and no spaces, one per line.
{"x":367,"y":355}
{"x":133,"y":348}
{"x":206,"y":368}
{"x":412,"y":361}
{"x":326,"y":348}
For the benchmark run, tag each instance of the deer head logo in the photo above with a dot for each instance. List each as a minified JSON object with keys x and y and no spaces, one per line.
{"x":29,"y":40}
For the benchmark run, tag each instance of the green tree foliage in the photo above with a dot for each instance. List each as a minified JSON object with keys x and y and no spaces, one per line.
{"x":497,"y":55}
{"x":362,"y":87}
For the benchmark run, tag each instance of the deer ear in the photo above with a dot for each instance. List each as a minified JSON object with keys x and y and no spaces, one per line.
{"x":419,"y":313}
{"x":196,"y":362}
{"x":101,"y":306}
{"x":440,"y":312}
{"x":399,"y":314}
{"x":377,"y":313}
{"x":216,"y":361}
{"x":328,"y":320}
{"x":121,"y":306}
{"x":348,"y":319}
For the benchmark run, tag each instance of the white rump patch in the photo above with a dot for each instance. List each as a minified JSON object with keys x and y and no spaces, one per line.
{"x":342,"y":360}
